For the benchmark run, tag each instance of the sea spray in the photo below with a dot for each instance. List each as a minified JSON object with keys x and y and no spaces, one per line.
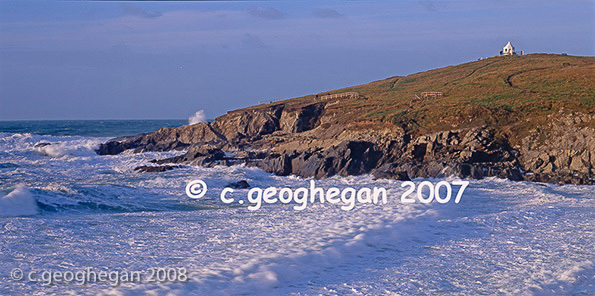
{"x":19,"y":202}
{"x":197,"y":117}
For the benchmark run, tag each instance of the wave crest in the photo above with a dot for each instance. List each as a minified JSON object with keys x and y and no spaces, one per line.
{"x":19,"y":202}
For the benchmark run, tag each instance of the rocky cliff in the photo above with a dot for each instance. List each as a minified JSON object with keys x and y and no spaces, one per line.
{"x":386,"y":130}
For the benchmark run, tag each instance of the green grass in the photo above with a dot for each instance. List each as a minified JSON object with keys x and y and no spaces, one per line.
{"x":475,"y":93}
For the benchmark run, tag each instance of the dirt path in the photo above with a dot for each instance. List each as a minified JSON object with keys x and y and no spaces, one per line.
{"x":511,"y":84}
{"x":471,"y":73}
{"x":394,"y":83}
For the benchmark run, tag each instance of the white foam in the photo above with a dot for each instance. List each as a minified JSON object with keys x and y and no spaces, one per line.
{"x":79,"y":147}
{"x":512,"y":238}
{"x":59,"y":146}
{"x":19,"y":202}
{"x":566,"y":281}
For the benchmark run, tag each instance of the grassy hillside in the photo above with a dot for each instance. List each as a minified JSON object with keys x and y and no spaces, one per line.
{"x":511,"y":93}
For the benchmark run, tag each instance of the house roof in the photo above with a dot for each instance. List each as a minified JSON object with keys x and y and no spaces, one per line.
{"x":508,"y":45}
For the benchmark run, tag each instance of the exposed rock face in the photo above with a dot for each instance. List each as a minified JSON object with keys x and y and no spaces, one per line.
{"x":164,"y":139}
{"x":471,"y":153}
{"x":563,"y":152}
{"x":347,"y":158}
{"x":233,"y":129}
{"x":301,"y":120}
{"x":235,"y":126}
{"x":294,"y":140}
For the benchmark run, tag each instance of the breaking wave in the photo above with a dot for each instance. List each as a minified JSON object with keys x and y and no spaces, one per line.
{"x":19,"y":202}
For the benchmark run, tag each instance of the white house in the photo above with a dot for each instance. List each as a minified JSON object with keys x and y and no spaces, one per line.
{"x":508,"y":49}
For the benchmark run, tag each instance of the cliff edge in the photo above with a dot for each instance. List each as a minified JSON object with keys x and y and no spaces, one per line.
{"x":528,"y":117}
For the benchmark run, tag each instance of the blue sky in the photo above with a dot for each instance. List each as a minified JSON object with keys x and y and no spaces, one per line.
{"x":166,"y":60}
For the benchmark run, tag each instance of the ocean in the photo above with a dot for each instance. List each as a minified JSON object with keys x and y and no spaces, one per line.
{"x":63,"y":208}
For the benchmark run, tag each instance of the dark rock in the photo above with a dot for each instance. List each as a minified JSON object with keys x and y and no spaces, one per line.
{"x":307,"y":164}
{"x":201,"y":155}
{"x":390,"y":171}
{"x":154,"y":169}
{"x":279,"y":164}
{"x":239,"y":184}
{"x":112,"y":148}
{"x":41,"y":144}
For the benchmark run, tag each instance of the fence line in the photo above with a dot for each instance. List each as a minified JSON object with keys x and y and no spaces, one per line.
{"x":350,"y":94}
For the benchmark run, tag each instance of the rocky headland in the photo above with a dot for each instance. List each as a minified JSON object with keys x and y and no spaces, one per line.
{"x":482,"y":123}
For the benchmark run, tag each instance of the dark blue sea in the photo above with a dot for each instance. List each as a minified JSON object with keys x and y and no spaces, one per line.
{"x":87,"y":128}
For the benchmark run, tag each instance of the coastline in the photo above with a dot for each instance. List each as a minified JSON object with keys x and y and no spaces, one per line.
{"x":533,"y":135}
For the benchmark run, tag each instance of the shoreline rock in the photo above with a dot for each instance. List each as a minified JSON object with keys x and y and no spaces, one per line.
{"x":468,"y":153}
{"x":155,"y":169}
{"x":242,"y":184}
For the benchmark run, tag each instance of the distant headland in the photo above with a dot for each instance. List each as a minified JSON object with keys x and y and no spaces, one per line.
{"x":517,"y":116}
